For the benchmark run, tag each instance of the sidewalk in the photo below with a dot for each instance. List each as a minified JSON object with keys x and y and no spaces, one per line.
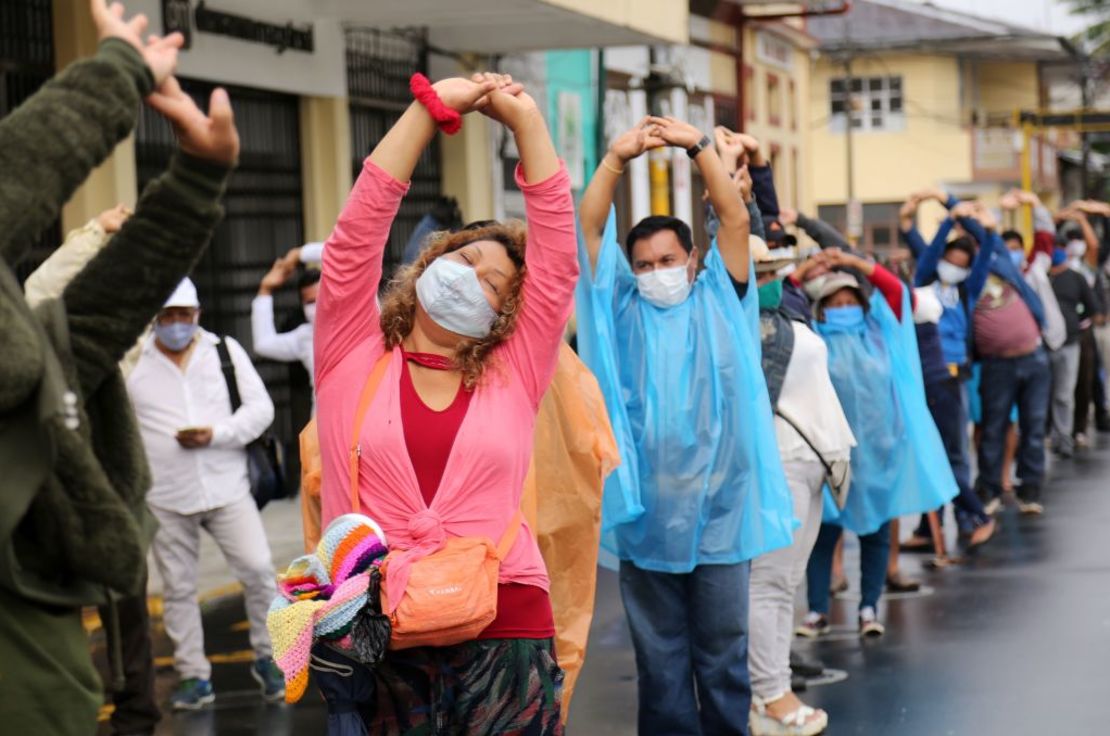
{"x":282,"y":520}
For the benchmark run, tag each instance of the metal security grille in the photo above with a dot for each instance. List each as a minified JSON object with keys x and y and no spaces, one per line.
{"x":263,"y":220}
{"x":26,"y":63}
{"x":379,"y":64}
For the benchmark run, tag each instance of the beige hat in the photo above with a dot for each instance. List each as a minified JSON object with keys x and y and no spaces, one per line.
{"x":836,"y":281}
{"x":185,"y":295}
{"x":767,"y":259}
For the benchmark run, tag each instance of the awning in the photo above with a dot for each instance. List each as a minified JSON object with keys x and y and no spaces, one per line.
{"x":501,"y":26}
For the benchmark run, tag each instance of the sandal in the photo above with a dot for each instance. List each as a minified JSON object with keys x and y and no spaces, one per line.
{"x":899,"y":583}
{"x":805,"y":721}
{"x":839,"y":585}
{"x":915,"y":543}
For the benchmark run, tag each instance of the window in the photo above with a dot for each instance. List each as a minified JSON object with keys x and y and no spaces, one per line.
{"x":874,"y":103}
{"x":774,"y":100}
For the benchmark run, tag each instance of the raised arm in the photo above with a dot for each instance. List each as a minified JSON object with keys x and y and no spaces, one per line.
{"x":989,"y":245}
{"x":50,"y":143}
{"x":347,"y":311}
{"x":732,"y":236}
{"x":593,"y":210}
{"x":81,"y":245}
{"x":551,"y":257}
{"x":114,"y":298}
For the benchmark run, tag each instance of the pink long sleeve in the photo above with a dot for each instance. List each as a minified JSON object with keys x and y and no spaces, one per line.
{"x":551,"y":257}
{"x":347,"y":313}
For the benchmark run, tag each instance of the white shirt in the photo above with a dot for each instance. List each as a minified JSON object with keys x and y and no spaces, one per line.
{"x":284,"y":346}
{"x":168,"y":399}
{"x":809,"y":399}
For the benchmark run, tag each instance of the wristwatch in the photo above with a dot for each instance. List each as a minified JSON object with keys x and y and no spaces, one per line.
{"x":698,"y":147}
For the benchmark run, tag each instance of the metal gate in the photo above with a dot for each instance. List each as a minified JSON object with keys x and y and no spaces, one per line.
{"x":26,"y":63}
{"x":379,"y":64}
{"x":263,"y":220}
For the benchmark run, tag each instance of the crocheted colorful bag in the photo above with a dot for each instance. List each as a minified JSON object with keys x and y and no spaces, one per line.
{"x":320,"y":596}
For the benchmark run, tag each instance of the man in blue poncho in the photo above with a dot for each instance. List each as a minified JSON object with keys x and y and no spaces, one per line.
{"x":700,"y":490}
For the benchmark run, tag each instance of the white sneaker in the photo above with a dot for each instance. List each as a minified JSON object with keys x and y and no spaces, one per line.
{"x":1030,"y":508}
{"x":869,"y":626}
{"x":993,"y":506}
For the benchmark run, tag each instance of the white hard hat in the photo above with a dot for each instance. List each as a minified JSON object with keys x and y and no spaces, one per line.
{"x":185,"y":295}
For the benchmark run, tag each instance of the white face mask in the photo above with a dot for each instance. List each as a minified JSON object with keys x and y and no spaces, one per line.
{"x":1076,"y":248}
{"x":665,"y":287}
{"x":310,"y":313}
{"x":451,"y":295}
{"x":950,"y":273}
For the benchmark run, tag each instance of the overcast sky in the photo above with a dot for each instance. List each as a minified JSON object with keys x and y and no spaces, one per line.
{"x":1048,"y":15}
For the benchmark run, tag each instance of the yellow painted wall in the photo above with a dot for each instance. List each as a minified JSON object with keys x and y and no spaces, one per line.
{"x":115,"y":181}
{"x":325,"y":162}
{"x":1003,"y":87}
{"x":668,"y":19}
{"x":789,"y":139}
{"x":934,"y":147}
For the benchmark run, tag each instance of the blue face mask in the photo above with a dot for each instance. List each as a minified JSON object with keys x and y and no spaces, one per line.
{"x":1018,"y":257}
{"x":844,"y":318}
{"x":176,"y":336}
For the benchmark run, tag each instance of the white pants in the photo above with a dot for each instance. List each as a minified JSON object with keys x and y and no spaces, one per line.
{"x":237,"y":529}
{"x":775,"y":577}
{"x":1065,"y":375}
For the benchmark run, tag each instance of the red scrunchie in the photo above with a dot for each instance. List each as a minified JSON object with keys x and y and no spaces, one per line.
{"x":448,"y":119}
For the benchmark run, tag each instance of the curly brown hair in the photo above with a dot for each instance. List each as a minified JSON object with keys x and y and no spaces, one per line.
{"x":399,"y":302}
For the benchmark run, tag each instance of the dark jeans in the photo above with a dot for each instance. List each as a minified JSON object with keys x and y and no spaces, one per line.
{"x":946,"y":404}
{"x":1088,"y":377}
{"x":873,"y":551}
{"x":136,"y":710}
{"x":1026,"y":380}
{"x":690,"y":631}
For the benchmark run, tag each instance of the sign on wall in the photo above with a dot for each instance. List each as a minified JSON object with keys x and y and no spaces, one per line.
{"x":176,"y":17}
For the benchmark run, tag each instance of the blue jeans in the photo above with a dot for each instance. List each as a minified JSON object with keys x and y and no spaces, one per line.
{"x":690,"y":630}
{"x":1027,"y":381}
{"x":873,"y":551}
{"x":946,"y":404}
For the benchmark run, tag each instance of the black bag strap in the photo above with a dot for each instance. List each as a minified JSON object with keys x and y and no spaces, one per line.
{"x":230,"y":379}
{"x":788,"y":420}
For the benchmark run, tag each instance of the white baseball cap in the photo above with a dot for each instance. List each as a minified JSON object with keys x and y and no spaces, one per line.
{"x":185,"y":295}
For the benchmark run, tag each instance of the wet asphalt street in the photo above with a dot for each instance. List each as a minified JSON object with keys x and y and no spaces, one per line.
{"x":1015,"y":641}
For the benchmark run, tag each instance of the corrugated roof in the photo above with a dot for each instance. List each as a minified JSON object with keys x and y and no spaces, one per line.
{"x":900,"y":23}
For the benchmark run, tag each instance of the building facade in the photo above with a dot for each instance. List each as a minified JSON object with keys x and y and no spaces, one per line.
{"x":930,"y":96}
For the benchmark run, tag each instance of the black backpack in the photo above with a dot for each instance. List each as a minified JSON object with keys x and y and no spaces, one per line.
{"x":266,"y":455}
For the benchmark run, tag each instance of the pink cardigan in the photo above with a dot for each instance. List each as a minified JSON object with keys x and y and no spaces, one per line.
{"x":484,"y":477}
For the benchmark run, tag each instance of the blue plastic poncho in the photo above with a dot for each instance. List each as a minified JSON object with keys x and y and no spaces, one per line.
{"x":700,"y":480}
{"x":899,"y":465}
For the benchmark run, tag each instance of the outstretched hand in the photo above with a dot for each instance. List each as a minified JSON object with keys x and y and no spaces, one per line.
{"x":464,"y":95}
{"x":677,"y":132}
{"x":637,"y":141}
{"x":507,"y":102}
{"x":212,"y":137}
{"x":160,"y":54}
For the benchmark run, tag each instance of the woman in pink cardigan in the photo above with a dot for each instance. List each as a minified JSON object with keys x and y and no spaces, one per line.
{"x":472,"y":330}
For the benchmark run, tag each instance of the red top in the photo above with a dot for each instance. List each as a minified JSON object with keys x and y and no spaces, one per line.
{"x":890,"y":287}
{"x":523,"y":611}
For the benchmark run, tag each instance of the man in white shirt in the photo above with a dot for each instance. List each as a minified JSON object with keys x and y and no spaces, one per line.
{"x":297,"y":343}
{"x":196,"y":447}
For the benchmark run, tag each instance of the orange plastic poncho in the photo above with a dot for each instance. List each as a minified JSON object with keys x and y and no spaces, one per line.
{"x":574,"y":452}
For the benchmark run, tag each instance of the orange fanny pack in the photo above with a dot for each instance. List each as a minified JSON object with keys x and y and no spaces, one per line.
{"x":451,"y":595}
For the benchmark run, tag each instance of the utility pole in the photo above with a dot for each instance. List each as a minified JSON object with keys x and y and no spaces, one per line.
{"x":853,"y":213}
{"x":1084,"y":137}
